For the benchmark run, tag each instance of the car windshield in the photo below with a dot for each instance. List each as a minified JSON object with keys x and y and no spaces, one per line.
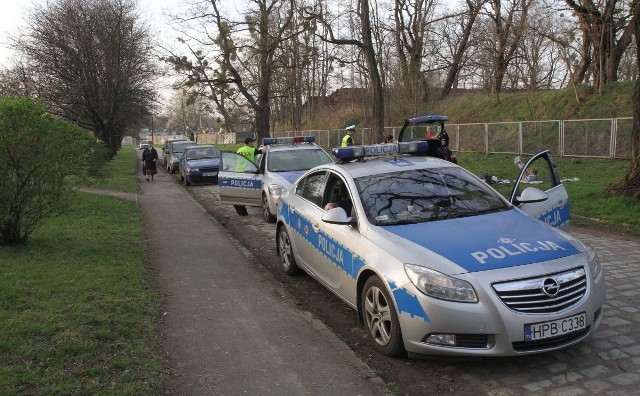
{"x":179,"y":147}
{"x":203,"y":153}
{"x":420,"y":195}
{"x":293,"y":160}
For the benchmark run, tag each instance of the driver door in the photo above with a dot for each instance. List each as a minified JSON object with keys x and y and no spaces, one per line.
{"x":239,"y":181}
{"x":540,"y":171}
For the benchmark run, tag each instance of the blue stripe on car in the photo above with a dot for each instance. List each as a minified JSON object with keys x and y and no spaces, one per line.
{"x":337,"y":254}
{"x":240,"y":183}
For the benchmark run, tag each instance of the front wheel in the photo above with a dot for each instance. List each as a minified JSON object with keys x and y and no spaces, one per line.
{"x":187,"y":182}
{"x":381,"y":319}
{"x":266,"y":213}
{"x":286,"y":253}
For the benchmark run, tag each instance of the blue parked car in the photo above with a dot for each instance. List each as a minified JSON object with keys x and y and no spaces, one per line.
{"x":199,"y":164}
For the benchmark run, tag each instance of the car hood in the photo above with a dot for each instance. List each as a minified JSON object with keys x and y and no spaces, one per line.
{"x":209,"y":162}
{"x":479,"y":243}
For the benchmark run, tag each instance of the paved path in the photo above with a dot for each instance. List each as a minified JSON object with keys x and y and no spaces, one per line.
{"x":227,"y":328}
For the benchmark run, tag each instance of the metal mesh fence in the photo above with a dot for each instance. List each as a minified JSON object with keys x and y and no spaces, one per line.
{"x":600,"y":138}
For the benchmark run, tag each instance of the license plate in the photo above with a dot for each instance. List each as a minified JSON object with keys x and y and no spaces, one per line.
{"x":554,"y":328}
{"x":208,"y":174}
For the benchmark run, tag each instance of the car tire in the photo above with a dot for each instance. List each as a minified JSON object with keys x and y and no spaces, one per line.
{"x":381,"y":318}
{"x":285,"y":251}
{"x":187,"y":182}
{"x":266,"y":213}
{"x":181,"y":177}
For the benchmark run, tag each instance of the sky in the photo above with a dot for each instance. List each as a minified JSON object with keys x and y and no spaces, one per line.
{"x":13,"y":12}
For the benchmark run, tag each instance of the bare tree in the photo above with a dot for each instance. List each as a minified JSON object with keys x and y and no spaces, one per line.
{"x":630,"y":184}
{"x":245,"y":51}
{"x":509,"y":18}
{"x":367,"y":47}
{"x":459,"y":43}
{"x":93,"y":58}
{"x":607,"y":32}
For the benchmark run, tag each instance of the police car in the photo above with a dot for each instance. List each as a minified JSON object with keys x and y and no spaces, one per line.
{"x":435,"y":261}
{"x":242,"y":182}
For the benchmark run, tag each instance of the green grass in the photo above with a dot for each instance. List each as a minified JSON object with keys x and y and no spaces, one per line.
{"x":590,"y":205}
{"x":77,"y":315}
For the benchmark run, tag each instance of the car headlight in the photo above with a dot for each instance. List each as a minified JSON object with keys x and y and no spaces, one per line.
{"x":438,"y":285}
{"x":191,"y":170}
{"x":276,"y":190}
{"x":593,"y":260}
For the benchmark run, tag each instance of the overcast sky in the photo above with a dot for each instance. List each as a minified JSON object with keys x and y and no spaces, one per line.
{"x":12,"y":15}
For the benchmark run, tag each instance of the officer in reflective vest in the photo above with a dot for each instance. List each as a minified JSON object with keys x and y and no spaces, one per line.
{"x":249,"y":152}
{"x":347,"y":140}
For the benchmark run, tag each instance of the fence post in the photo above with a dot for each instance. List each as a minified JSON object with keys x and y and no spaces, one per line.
{"x":613,"y":137}
{"x":520,"y":143}
{"x":486,"y":138}
{"x":561,"y":137}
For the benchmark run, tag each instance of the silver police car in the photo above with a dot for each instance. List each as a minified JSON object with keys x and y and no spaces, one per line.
{"x":242,"y":182}
{"x":435,"y":261}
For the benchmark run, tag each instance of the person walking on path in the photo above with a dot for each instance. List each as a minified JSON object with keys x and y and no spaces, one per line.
{"x":149,"y":159}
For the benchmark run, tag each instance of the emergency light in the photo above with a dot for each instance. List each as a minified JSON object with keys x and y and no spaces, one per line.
{"x":379,"y":150}
{"x":288,"y":140}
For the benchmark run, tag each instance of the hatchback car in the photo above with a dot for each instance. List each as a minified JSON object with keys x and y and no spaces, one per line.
{"x":199,"y":164}
{"x":435,"y":261}
{"x":165,"y":147}
{"x":243,"y":182}
{"x":143,"y":144}
{"x":176,"y":149}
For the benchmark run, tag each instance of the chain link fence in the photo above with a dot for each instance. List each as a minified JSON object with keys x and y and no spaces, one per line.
{"x":597,"y":138}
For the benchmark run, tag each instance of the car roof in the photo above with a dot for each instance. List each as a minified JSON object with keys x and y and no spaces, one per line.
{"x":432,"y":117}
{"x":389,"y":164}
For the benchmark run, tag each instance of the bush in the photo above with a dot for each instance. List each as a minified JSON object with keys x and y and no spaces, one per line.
{"x":37,"y":152}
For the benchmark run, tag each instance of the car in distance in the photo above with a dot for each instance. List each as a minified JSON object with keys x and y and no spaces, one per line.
{"x":165,"y":147}
{"x":176,"y":149}
{"x":199,"y":164}
{"x":435,"y":261}
{"x":143,"y":144}
{"x":427,"y":127}
{"x":242,"y":182}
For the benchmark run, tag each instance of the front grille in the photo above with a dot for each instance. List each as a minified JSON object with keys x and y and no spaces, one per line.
{"x":563,"y":290}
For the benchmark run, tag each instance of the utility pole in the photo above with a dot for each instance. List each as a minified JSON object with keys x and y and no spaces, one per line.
{"x":152,"y":128}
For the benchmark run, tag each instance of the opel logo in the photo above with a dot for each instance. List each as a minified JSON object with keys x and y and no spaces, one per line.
{"x":550,"y":287}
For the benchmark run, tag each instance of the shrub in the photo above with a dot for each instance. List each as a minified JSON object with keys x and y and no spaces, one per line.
{"x":37,"y":152}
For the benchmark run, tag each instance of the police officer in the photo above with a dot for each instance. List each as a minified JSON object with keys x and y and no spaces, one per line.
{"x":347,"y":140}
{"x":443,"y":137}
{"x":249,"y":152}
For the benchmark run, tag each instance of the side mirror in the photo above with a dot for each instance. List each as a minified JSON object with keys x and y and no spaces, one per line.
{"x":532,"y":195}
{"x":337,"y":216}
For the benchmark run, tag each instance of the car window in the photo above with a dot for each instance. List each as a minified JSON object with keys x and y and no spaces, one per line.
{"x":202,"y":153}
{"x":420,"y":195}
{"x":420,"y":131}
{"x":292,"y":160}
{"x":311,"y":187}
{"x":538,"y":174}
{"x":178,"y":147}
{"x":337,"y":192}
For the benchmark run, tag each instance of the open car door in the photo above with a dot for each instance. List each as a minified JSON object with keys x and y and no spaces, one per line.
{"x":239,"y":181}
{"x":541,"y":173}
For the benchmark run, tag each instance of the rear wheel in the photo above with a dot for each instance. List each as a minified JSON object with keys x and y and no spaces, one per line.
{"x":266,"y":213}
{"x":381,"y":319}
{"x":286,"y":253}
